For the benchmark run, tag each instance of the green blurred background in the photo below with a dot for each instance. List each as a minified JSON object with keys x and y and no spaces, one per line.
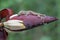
{"x":46,"y":32}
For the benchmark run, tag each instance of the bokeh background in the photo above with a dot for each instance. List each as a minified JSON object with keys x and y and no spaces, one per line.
{"x":49,"y":31}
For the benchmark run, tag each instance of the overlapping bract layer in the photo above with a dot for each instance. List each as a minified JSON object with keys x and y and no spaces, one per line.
{"x":30,"y":19}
